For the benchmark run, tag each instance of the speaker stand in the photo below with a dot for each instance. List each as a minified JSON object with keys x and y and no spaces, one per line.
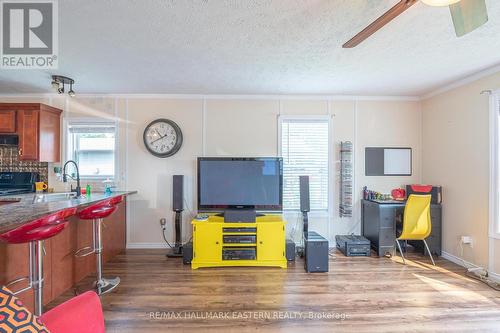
{"x":305,"y":233}
{"x":177,"y":250}
{"x":305,"y":221}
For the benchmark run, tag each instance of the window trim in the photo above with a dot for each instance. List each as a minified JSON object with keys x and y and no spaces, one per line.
{"x":86,"y":122}
{"x":494,"y":190}
{"x":330,"y":190}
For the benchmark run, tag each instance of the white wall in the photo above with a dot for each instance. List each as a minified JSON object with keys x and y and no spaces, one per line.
{"x":245,"y":126}
{"x":249,"y":127}
{"x":152,"y":176}
{"x":456,"y":155}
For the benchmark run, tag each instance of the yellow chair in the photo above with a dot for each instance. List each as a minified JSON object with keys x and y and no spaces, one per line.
{"x":416,"y":221}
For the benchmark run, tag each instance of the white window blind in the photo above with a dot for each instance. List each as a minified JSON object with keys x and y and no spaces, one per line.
{"x":304,"y":148}
{"x":92,"y":146}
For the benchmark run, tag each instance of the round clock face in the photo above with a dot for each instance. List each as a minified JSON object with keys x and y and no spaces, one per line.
{"x":162,"y":138}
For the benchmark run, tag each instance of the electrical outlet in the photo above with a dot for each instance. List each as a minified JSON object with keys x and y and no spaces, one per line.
{"x":466,"y":240}
{"x":163,"y":221}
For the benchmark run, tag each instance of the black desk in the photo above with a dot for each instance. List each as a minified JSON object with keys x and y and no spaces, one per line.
{"x":379,"y":224}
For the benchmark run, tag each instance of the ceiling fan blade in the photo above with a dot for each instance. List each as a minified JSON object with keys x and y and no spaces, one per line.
{"x":387,"y":17}
{"x":468,"y":15}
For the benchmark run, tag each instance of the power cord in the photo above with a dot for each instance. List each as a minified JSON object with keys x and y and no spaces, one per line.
{"x":165,"y":238}
{"x":191,"y":216}
{"x":163,"y":223}
{"x":482,"y":277}
{"x":477,"y":273}
{"x":292,"y":235}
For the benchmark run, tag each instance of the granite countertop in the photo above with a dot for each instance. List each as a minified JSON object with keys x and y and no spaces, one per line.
{"x":25,"y":209}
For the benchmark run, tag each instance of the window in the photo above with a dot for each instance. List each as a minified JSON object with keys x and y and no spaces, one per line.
{"x":92,"y":146}
{"x":495,"y":165}
{"x":304,"y":148}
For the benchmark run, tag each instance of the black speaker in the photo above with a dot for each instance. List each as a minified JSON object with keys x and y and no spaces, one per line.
{"x":304,"y":193}
{"x":240,"y":215}
{"x":178,"y":193}
{"x":290,"y":250}
{"x":177,"y":207}
{"x":187,"y":253}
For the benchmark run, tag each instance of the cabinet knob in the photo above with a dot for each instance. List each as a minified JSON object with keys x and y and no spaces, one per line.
{"x":217,"y":243}
{"x":20,"y":151}
{"x":261,"y":242}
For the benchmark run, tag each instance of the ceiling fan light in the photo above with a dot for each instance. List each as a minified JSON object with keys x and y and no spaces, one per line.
{"x":438,"y":3}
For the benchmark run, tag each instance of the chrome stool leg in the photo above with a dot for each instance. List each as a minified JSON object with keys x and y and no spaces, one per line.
{"x":429,"y":251}
{"x":36,"y":274}
{"x":103,"y":285}
{"x":401,"y":251}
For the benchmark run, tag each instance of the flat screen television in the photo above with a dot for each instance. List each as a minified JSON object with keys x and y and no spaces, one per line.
{"x":240,"y":183}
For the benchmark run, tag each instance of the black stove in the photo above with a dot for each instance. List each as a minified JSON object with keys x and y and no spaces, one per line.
{"x":18,"y":182}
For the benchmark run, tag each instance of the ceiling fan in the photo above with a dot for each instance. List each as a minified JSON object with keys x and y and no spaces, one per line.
{"x":467,"y":15}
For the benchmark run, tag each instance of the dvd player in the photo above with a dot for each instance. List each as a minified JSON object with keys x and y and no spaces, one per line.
{"x":239,"y":239}
{"x":238,"y":253}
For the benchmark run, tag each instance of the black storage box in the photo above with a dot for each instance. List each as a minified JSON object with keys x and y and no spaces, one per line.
{"x":315,"y":253}
{"x":353,"y":246}
{"x":434,"y":191}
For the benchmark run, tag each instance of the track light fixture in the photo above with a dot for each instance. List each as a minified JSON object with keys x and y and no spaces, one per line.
{"x":59,"y":82}
{"x":71,"y":92}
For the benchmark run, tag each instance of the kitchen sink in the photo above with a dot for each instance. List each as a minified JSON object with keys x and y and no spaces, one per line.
{"x":50,"y":197}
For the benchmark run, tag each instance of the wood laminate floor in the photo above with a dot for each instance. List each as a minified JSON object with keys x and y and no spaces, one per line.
{"x":357,"y":295}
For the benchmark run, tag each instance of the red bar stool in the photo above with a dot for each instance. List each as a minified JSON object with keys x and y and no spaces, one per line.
{"x":97,"y":213}
{"x":34,"y":233}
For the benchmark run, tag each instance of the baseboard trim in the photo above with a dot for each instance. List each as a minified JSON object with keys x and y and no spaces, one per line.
{"x":457,"y":260}
{"x":494,"y":276}
{"x":460,"y":262}
{"x":147,"y":246}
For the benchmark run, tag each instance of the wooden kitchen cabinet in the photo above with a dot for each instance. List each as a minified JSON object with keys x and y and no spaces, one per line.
{"x":62,"y":270}
{"x":27,"y":124}
{"x":7,"y":121}
{"x":38,"y":127}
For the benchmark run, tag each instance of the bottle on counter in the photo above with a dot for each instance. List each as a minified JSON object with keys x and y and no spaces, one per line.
{"x":87,"y":190}
{"x":108,"y":185}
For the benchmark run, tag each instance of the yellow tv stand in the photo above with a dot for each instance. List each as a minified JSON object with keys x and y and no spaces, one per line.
{"x":208,"y":241}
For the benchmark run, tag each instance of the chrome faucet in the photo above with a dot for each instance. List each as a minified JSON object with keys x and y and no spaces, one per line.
{"x":78,"y":189}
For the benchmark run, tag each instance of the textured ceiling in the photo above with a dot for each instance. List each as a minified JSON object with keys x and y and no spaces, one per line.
{"x":258,"y":47}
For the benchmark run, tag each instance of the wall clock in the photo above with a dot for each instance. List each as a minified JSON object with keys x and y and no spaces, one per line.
{"x":162,"y":137}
